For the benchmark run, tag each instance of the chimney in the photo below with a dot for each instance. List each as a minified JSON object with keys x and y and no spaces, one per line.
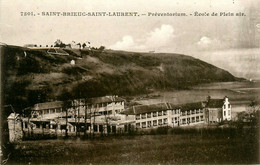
{"x":208,"y":98}
{"x":226,"y":98}
{"x":203,"y":103}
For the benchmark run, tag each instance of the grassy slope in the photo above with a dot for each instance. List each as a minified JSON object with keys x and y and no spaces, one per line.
{"x":206,"y":148}
{"x":40,"y":77}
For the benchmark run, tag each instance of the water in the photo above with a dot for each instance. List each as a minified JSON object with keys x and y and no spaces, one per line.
{"x":240,"y":94}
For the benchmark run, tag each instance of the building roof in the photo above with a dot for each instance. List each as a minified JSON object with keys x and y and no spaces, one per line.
{"x":13,"y":116}
{"x":138,"y":109}
{"x":191,"y":106}
{"x":215,"y":103}
{"x":104,"y":99}
{"x":160,"y":107}
{"x":48,"y":105}
{"x":95,"y":100}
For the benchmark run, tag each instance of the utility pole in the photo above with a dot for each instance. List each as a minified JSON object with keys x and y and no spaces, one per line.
{"x":56,"y":131}
{"x":94,"y":122}
{"x":107,"y":125}
{"x":79,"y":126}
{"x":75,"y":116}
{"x":90,"y":121}
{"x":85,"y":119}
{"x":66,"y":110}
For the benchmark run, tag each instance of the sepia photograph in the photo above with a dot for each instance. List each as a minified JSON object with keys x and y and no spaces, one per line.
{"x":129,"y":82}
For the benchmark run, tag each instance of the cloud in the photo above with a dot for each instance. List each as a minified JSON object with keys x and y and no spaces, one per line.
{"x":156,"y":39}
{"x":204,"y":42}
{"x":126,"y":43}
{"x":209,"y":43}
{"x":160,"y":36}
{"x":258,"y":27}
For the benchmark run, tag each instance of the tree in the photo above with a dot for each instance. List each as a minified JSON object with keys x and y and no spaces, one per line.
{"x":251,"y":115}
{"x":65,"y":97}
{"x":79,"y":45}
{"x":101,"y":48}
{"x":69,"y":45}
{"x":59,"y":43}
{"x":84,"y":45}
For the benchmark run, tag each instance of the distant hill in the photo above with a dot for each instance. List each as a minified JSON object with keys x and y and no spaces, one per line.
{"x":32,"y":75}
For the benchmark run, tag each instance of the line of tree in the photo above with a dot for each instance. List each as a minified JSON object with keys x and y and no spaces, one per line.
{"x":60,"y":44}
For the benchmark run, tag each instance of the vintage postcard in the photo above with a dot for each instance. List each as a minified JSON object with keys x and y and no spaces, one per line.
{"x":130,"y":82}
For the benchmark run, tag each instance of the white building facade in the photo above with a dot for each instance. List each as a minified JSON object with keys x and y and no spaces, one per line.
{"x":166,"y":114}
{"x":218,"y":110}
{"x":226,"y":109}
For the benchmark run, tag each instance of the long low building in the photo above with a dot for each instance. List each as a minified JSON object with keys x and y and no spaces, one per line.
{"x":108,"y":115}
{"x":74,"y":115}
{"x":166,"y":114}
{"x":107,"y":105}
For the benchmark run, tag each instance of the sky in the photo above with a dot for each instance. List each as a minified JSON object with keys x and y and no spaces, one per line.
{"x":229,"y":42}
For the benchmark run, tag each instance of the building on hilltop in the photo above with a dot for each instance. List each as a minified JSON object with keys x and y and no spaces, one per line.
{"x":30,"y":46}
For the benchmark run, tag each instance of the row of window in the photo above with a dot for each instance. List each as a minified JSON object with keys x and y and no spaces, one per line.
{"x":149,"y":115}
{"x":175,"y":119}
{"x":152,"y":123}
{"x":59,"y":110}
{"x":155,"y":114}
{"x":228,"y":113}
{"x":163,"y":113}
{"x":81,"y":129}
{"x":105,"y":112}
{"x":227,"y":106}
{"x":191,"y":112}
{"x":192,"y":120}
{"x":99,"y":104}
{"x":117,"y":111}
{"x":49,"y":111}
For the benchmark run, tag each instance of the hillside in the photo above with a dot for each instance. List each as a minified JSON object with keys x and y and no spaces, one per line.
{"x":32,"y":75}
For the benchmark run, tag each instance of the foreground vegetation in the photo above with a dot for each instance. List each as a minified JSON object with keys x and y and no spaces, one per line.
{"x":221,"y":145}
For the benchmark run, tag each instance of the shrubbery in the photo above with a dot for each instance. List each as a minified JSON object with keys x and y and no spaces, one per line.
{"x":228,"y":132}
